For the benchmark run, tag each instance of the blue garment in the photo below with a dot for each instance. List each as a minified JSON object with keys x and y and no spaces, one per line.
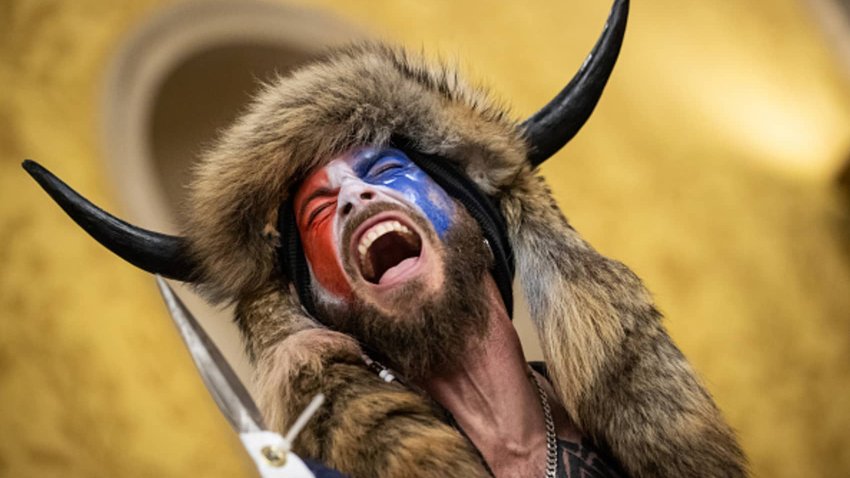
{"x":321,"y":471}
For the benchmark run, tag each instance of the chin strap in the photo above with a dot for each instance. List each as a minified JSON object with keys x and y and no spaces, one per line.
{"x":290,"y":256}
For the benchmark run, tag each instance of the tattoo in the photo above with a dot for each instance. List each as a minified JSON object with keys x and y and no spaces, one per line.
{"x":581,"y":460}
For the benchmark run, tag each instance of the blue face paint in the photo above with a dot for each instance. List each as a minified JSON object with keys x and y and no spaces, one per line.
{"x":392,"y":169}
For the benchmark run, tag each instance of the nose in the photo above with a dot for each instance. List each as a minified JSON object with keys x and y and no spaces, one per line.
{"x":353,"y":195}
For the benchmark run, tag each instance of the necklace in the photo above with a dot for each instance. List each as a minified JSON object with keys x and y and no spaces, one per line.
{"x":551,"y":443}
{"x":549,"y":422}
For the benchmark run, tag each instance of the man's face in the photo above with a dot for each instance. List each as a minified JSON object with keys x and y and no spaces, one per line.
{"x":372,"y":222}
{"x":396,"y":263}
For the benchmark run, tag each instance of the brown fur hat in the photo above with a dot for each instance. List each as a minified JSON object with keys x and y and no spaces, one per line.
{"x":362,"y":95}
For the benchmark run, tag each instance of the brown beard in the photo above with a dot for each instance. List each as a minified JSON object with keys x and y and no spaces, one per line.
{"x":431,"y":331}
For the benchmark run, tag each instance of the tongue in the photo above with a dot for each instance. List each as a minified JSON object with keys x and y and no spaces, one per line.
{"x":397,"y":272}
{"x":386,"y":253}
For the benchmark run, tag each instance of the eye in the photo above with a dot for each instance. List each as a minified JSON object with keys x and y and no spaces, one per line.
{"x":318,"y":210}
{"x":385,"y":167}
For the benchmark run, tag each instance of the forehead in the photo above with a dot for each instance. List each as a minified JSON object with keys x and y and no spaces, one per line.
{"x":358,"y":160}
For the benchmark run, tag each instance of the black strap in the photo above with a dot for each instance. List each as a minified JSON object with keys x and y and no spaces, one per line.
{"x":290,"y":254}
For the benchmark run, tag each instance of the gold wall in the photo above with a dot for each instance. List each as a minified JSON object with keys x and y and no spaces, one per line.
{"x":707,"y":168}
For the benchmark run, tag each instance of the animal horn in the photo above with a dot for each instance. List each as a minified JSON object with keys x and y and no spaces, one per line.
{"x":548,"y":130}
{"x":154,"y":252}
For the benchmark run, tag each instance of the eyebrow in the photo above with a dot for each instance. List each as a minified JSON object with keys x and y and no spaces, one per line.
{"x":364,"y":168}
{"x":319,"y":192}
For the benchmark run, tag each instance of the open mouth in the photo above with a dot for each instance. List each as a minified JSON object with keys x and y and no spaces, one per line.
{"x":387,"y":249}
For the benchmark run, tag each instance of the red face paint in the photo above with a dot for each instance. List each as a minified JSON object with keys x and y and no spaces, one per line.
{"x":315,"y":209}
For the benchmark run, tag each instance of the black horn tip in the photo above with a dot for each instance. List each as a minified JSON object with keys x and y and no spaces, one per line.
{"x":35,"y":170}
{"x":151,"y":251}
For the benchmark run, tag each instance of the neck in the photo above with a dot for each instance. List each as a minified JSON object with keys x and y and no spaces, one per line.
{"x":493,"y":400}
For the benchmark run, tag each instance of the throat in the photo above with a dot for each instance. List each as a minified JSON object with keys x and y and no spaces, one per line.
{"x":490,"y":394}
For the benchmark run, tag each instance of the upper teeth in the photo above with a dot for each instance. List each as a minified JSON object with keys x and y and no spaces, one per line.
{"x":377,"y":231}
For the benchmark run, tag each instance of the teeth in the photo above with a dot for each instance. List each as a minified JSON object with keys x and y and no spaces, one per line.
{"x":377,"y":231}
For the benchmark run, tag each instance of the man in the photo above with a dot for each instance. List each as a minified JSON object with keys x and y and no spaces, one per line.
{"x":393,"y":258}
{"x":372,"y":206}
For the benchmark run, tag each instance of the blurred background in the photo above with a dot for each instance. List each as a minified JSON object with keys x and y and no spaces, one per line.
{"x":717,"y":166}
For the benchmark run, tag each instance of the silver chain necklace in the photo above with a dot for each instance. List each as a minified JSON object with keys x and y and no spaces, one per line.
{"x":551,"y":441}
{"x":549,"y":422}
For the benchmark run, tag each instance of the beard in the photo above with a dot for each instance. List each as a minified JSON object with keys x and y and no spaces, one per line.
{"x":430,"y":331}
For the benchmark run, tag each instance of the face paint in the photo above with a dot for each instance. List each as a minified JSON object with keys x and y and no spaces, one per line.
{"x":315,"y":206}
{"x":392,"y":169}
{"x":379,"y":175}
